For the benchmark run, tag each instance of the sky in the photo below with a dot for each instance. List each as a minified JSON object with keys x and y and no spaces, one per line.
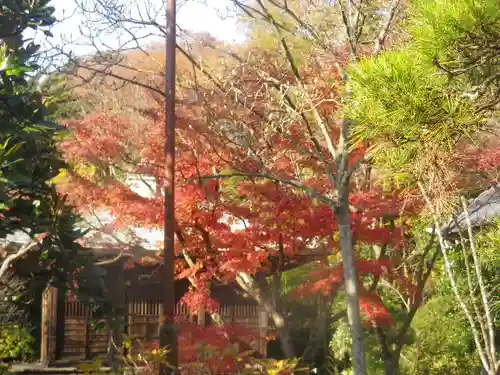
{"x":192,"y":15}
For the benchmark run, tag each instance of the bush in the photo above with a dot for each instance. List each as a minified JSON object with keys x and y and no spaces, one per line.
{"x":443,"y":344}
{"x":16,"y":344}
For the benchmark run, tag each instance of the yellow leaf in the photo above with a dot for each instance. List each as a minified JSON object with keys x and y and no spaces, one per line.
{"x":60,"y":178}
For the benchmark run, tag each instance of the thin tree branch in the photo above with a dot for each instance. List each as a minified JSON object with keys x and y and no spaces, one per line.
{"x":470,"y":285}
{"x":293,"y":183}
{"x":454,"y":286}
{"x":482,"y":287}
{"x":317,"y":117}
{"x":382,"y":36}
{"x":13,"y":257}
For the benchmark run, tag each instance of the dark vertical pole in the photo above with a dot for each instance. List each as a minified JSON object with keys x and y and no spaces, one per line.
{"x":168,"y":334}
{"x":87,"y":317}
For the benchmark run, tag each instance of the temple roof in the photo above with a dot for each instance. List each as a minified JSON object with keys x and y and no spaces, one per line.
{"x":482,"y":210}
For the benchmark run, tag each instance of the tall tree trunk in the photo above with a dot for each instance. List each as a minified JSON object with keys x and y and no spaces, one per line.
{"x":390,"y":366}
{"x":116,"y":322}
{"x":351,"y":286}
{"x":391,"y":358}
{"x":250,"y":285}
{"x":284,"y":331}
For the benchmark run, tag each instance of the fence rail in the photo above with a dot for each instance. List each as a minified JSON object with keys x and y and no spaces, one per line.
{"x":85,"y":337}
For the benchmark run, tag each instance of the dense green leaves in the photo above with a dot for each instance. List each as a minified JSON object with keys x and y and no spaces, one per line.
{"x":445,"y":29}
{"x":405,"y":104}
{"x":15,"y":343}
{"x":415,"y":105}
{"x":29,"y":161}
{"x":462,"y":37}
{"x":443,"y":342}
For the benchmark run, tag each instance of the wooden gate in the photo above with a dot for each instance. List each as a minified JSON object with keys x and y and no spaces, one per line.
{"x":84,"y":335}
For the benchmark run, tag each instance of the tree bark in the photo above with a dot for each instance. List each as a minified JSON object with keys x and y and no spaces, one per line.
{"x":116,"y":322}
{"x":391,"y":366}
{"x":248,"y":283}
{"x":391,"y":359}
{"x":351,"y":287}
{"x":10,"y":259}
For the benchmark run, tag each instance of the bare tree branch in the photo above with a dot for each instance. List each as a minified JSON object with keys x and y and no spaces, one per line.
{"x":379,"y":42}
{"x":484,"y":353}
{"x":15,"y":256}
{"x":482,"y":289}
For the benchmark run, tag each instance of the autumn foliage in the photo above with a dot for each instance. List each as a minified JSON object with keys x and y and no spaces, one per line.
{"x":222,"y":350}
{"x":237,"y":165}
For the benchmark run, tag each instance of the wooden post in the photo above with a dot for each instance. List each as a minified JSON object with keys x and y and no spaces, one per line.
{"x":49,"y":326}
{"x":263,"y":327}
{"x":130,"y":317}
{"x":86,"y":314}
{"x":201,"y":317}
{"x":160,"y":317}
{"x":168,"y":334}
{"x":231,"y":314}
{"x":116,"y":324}
{"x":44,"y":339}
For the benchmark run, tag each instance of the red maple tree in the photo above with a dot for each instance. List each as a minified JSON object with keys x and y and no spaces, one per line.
{"x":236,"y":164}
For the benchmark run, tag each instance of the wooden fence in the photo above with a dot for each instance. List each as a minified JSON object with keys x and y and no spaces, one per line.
{"x":85,"y":338}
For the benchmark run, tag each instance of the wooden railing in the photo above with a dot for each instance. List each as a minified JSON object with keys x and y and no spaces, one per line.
{"x":85,"y":337}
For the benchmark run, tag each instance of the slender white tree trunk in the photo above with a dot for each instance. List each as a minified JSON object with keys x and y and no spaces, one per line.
{"x":351,"y":289}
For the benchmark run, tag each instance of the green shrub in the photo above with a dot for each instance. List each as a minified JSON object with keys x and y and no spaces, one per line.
{"x":443,"y":344}
{"x":16,"y":343}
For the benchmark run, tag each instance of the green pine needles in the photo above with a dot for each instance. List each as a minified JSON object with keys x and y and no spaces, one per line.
{"x":402,"y":99}
{"x":418,"y":103}
{"x":445,"y":29}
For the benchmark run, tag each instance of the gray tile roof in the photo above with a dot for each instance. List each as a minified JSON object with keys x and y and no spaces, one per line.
{"x":484,"y":209}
